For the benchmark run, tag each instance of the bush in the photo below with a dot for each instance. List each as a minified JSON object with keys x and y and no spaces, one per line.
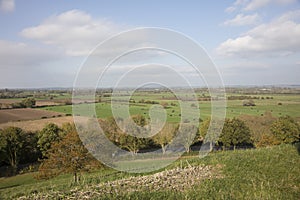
{"x":248,"y":103}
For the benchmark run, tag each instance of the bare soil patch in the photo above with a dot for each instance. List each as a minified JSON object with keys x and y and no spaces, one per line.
{"x":10,"y":101}
{"x":13,"y":115}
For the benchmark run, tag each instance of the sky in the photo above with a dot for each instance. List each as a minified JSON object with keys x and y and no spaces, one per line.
{"x":45,"y":43}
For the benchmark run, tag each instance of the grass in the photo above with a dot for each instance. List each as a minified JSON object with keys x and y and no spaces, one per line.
{"x":266,"y":173}
{"x":290,"y":106}
{"x":269,"y":173}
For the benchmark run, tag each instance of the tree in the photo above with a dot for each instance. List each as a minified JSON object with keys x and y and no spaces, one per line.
{"x":49,"y":134}
{"x":67,"y":128}
{"x":286,"y":130}
{"x":214,"y":133}
{"x":67,"y":156}
{"x":30,"y":152}
{"x":111,"y":129}
{"x":135,"y":141}
{"x":28,"y":102}
{"x":165,"y":136}
{"x":132,"y":144}
{"x":11,"y":145}
{"x":235,"y":133}
{"x":137,"y":131}
{"x":2,"y":146}
{"x":248,"y":102}
{"x":186,"y":135}
{"x":260,"y":127}
{"x":140,"y":120}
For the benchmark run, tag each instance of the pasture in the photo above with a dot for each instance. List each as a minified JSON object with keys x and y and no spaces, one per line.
{"x":279,"y":105}
{"x":266,"y":173}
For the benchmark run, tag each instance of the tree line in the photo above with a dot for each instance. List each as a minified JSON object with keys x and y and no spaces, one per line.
{"x":60,"y":150}
{"x":25,"y":103}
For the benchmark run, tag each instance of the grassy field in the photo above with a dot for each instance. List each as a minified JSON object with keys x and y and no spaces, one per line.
{"x":266,"y":173}
{"x":289,"y":105}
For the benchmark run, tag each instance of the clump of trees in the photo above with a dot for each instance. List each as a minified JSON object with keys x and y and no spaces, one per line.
{"x":214,"y":133}
{"x":249,"y":102}
{"x":260,"y":127}
{"x":235,"y":133}
{"x":60,"y":149}
{"x":187,"y":139}
{"x":49,"y":134}
{"x":286,"y":130}
{"x":165,"y":136}
{"x":11,"y":145}
{"x":28,"y":102}
{"x":17,"y":146}
{"x":67,"y":155}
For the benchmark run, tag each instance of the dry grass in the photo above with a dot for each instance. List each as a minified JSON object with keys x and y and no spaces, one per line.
{"x":10,"y":101}
{"x":36,"y":125}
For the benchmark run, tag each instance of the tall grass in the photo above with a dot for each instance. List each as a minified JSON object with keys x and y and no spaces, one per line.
{"x":266,"y":173}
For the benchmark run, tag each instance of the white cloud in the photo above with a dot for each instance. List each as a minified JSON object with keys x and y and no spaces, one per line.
{"x":280,"y":37}
{"x":251,"y":5}
{"x":74,"y":31}
{"x":7,"y":5}
{"x":25,"y":65}
{"x":291,"y":15}
{"x":21,"y":54}
{"x":255,"y":4}
{"x":235,"y":5}
{"x":241,"y":20}
{"x":230,"y":9}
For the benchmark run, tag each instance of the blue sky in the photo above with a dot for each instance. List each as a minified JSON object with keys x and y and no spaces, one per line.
{"x":252,"y":42}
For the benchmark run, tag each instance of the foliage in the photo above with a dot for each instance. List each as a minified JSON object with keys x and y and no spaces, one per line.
{"x":30,"y":152}
{"x":49,"y":134}
{"x":286,"y":129}
{"x":214,"y":133}
{"x":111,"y":129}
{"x":260,"y":127}
{"x":11,"y":145}
{"x":67,"y":128}
{"x":28,"y":102}
{"x":139,"y":120}
{"x":67,"y":156}
{"x":235,"y":133}
{"x":165,"y":136}
{"x":248,"y":103}
{"x":187,"y":135}
{"x":135,"y":134}
{"x":132,"y":143}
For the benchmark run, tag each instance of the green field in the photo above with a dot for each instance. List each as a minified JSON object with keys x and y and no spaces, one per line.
{"x":266,"y":173}
{"x":290,"y":105}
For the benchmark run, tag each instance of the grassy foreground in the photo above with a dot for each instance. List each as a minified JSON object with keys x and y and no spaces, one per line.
{"x":267,"y":173}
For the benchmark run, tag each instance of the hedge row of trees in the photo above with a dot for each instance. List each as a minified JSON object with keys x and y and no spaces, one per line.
{"x":60,"y":150}
{"x":243,"y":97}
{"x":25,"y":103}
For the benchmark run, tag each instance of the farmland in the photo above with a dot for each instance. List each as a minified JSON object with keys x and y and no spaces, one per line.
{"x":279,"y":105}
{"x":38,"y":124}
{"x":14,"y":115}
{"x":267,"y":173}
